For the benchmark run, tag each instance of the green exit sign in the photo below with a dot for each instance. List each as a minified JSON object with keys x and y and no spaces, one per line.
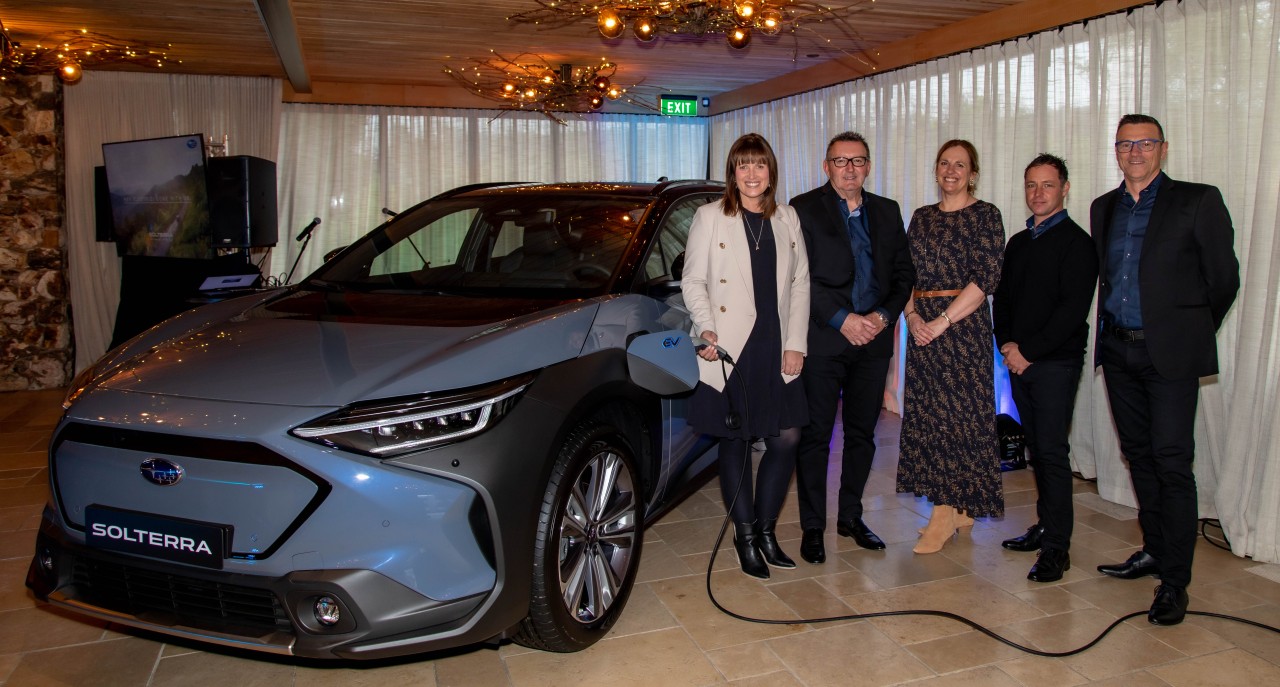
{"x":678,"y":105}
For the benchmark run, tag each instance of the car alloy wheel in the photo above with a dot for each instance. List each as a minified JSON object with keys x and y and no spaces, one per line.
{"x":588,"y":542}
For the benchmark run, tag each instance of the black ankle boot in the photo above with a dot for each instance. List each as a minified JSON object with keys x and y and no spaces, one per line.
{"x":769,"y":548}
{"x":746,"y":542}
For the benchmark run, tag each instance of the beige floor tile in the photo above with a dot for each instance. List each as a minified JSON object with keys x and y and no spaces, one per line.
{"x":1218,"y":565}
{"x":209,"y":669}
{"x":666,"y":657}
{"x":1116,"y":597}
{"x":1189,"y":637}
{"x":1258,"y":586}
{"x":969,"y":596}
{"x":848,"y":583}
{"x":18,"y":544}
{"x":1124,"y":529}
{"x":1222,"y":596}
{"x":483,"y":666}
{"x":962,"y":652}
{"x":701,"y":505}
{"x":1257,"y":641}
{"x":408,"y":674}
{"x":779,"y":679}
{"x":1126,"y":649}
{"x":1233,"y":667}
{"x":694,"y":536}
{"x":45,"y":627}
{"x":122,"y":663}
{"x":1096,"y":541}
{"x":1036,"y":671}
{"x":13,"y":589}
{"x":976,"y":677}
{"x":869,"y":658}
{"x":686,"y":599}
{"x":1053,"y":600}
{"x":809,"y":599}
{"x":897,"y":566}
{"x":7,"y":663}
{"x":24,"y":441}
{"x":1140,"y":678}
{"x":659,"y":562}
{"x":643,"y":613}
{"x":746,"y":661}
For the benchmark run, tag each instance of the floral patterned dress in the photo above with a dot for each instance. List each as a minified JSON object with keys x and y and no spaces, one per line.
{"x":949,"y":446}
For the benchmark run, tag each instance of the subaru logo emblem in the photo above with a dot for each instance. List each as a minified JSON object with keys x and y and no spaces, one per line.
{"x":160,"y":471}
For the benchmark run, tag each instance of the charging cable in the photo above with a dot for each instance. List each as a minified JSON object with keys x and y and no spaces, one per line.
{"x":724,"y":526}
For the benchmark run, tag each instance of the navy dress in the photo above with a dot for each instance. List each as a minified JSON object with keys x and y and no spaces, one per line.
{"x":770,"y":404}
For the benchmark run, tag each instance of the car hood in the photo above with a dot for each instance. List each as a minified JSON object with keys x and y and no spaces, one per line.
{"x":331,"y":349}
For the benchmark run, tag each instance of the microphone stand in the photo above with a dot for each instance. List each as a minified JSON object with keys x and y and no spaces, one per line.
{"x":305,"y":237}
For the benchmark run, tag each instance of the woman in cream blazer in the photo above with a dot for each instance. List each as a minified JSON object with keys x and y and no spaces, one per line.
{"x":746,"y":285}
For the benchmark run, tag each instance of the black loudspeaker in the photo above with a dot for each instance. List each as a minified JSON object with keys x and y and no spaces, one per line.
{"x":242,"y":201}
{"x":104,"y":226}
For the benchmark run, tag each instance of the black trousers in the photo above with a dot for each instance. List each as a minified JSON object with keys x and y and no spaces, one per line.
{"x":1045,"y":394}
{"x":858,"y":379}
{"x":1155,"y":418}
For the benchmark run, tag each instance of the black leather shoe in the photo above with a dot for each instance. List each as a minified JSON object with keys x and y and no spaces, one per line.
{"x":812,"y":548}
{"x":862,"y":535}
{"x":1140,"y":564}
{"x":1050,"y":566}
{"x":769,"y":548}
{"x":1026,"y":542}
{"x":746,"y":542}
{"x":1170,"y":606}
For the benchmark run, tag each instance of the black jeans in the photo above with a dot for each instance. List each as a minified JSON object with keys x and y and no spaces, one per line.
{"x":859,"y":379}
{"x":1155,"y":418}
{"x":1045,"y":393}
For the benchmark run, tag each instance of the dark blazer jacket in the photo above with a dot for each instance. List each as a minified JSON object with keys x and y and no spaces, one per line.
{"x":831,"y":266}
{"x":1188,"y":274}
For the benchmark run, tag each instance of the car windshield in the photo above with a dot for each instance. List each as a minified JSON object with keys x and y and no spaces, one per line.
{"x":507,"y":243}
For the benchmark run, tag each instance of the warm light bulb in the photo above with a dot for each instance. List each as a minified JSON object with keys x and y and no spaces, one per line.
{"x":739,"y":37}
{"x":644,"y":29}
{"x":664,"y":8}
{"x":744,"y":11}
{"x":601,"y":83}
{"x":770,"y":22}
{"x":614,"y":93}
{"x":596,"y":102}
{"x":70,"y":73}
{"x":508,"y":87}
{"x":530,"y":93}
{"x":610,"y":23}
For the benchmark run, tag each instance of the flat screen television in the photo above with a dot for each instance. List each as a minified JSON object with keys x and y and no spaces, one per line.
{"x":159,"y":198}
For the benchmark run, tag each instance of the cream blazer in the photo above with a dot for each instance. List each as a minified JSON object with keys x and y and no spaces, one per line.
{"x":718,"y":290}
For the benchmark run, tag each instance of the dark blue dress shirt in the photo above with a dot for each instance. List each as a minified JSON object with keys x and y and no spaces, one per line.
{"x":1037,"y":230}
{"x":865,"y":293}
{"x":1122,"y":302}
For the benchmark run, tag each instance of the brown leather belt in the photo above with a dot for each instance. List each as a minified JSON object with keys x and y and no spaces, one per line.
{"x":935,"y":294}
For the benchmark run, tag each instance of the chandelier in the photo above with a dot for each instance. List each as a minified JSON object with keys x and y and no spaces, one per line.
{"x":530,"y":82}
{"x":68,"y":54}
{"x":736,"y":19}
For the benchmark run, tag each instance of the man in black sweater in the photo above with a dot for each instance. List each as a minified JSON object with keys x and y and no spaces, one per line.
{"x":1041,"y":313}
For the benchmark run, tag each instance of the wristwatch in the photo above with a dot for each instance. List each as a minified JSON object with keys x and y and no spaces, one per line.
{"x":883,"y":319}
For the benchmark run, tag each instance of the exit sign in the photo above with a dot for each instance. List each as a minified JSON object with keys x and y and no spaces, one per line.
{"x":678,"y":105}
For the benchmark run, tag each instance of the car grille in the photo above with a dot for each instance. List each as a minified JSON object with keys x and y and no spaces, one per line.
{"x":180,"y":600}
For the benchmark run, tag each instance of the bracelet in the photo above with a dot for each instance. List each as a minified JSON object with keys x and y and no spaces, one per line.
{"x":948,"y":319}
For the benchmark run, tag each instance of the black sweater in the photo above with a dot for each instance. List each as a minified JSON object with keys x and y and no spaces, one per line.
{"x":1046,"y":288}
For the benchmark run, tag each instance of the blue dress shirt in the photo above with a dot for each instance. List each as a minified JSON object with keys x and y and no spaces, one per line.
{"x":865,"y":292}
{"x":1122,"y":302}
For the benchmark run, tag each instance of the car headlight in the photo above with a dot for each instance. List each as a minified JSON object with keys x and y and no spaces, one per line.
{"x":388,"y":428}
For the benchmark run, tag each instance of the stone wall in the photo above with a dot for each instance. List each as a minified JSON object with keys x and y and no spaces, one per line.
{"x":35,"y":322}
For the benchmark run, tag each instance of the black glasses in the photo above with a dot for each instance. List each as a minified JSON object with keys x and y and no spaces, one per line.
{"x":1146,"y":145}
{"x":859,"y":161}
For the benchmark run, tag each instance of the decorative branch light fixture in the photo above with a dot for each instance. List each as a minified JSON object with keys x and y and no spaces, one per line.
{"x":529,"y":82}
{"x":69,"y":54}
{"x":736,"y":19}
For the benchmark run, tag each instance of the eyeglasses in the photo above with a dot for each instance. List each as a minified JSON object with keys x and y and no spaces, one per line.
{"x":859,"y":161}
{"x":1146,"y":145}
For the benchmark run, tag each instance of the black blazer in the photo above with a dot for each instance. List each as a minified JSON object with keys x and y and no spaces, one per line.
{"x":831,"y":266}
{"x":1188,"y":274}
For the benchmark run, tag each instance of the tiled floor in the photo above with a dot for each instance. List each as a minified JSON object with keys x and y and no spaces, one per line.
{"x":671,"y":635}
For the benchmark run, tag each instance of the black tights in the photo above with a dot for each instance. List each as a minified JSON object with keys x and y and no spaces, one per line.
{"x":776,"y":467}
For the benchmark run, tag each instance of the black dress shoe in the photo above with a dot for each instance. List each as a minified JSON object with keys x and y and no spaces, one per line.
{"x":1026,"y":542}
{"x":862,"y":535}
{"x":746,"y":542}
{"x":1170,"y":606}
{"x":812,"y":549}
{"x":1050,"y":566}
{"x":769,"y":548}
{"x":1140,"y":564}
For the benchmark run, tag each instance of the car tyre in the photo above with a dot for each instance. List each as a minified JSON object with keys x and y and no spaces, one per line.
{"x":588,"y":542}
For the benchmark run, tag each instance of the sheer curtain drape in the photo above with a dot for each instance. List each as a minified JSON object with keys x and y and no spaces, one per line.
{"x":1208,"y":69}
{"x":123,"y":106}
{"x":344,"y":164}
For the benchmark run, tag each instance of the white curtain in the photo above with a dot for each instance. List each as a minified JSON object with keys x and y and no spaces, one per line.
{"x":1208,"y":69}
{"x":123,"y":106}
{"x":344,"y":164}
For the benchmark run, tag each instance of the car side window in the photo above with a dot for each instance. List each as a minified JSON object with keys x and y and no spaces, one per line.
{"x":435,"y":245}
{"x":672,"y":237}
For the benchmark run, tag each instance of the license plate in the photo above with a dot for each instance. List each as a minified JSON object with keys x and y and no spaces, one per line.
{"x":171,"y":539}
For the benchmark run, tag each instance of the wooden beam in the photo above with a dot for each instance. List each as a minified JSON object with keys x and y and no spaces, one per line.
{"x":1031,"y":16}
{"x":282,"y":28}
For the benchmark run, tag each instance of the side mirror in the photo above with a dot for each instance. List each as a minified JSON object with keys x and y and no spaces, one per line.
{"x":664,"y":363}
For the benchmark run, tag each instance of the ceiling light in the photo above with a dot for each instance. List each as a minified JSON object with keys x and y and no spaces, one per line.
{"x":69,"y":53}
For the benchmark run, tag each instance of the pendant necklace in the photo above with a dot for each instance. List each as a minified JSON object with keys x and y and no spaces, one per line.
{"x":755,"y":235}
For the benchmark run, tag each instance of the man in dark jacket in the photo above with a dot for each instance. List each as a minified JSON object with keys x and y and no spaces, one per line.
{"x":1168,"y":276}
{"x":1041,"y":322}
{"x":860,"y":278}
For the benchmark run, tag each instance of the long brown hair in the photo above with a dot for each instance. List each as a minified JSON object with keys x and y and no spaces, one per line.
{"x":750,"y":149}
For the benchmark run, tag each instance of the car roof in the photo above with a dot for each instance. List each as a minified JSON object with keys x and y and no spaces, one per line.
{"x":639,"y":190}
